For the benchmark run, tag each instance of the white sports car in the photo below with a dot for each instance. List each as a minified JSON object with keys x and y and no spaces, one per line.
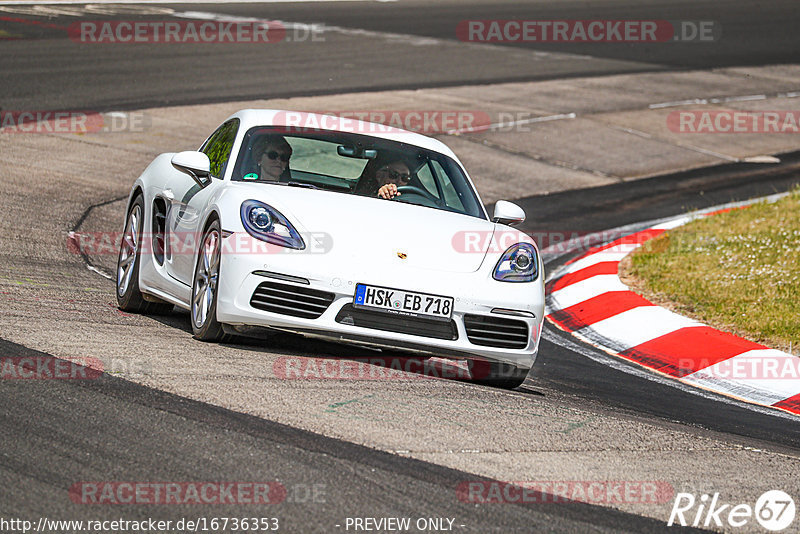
{"x":274,"y":227}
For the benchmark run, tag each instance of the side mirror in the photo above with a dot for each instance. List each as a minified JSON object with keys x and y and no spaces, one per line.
{"x":195,"y":164}
{"x":508,"y":213}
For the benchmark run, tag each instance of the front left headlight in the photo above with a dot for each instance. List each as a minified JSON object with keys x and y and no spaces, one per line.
{"x":519,"y":263}
{"x":264,"y":222}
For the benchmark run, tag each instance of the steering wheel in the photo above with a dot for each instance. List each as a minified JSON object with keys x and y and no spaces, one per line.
{"x":414,"y":190}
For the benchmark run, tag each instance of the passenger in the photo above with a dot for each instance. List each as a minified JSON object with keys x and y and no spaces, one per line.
{"x":271,"y":154}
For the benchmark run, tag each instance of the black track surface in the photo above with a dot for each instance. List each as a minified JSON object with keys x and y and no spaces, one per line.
{"x":45,"y":70}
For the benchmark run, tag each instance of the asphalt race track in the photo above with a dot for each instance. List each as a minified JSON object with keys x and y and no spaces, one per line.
{"x":347,"y":449}
{"x":132,"y":422}
{"x":47,"y":71}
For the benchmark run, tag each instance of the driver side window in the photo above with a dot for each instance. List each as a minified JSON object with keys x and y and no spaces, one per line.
{"x":218,"y":147}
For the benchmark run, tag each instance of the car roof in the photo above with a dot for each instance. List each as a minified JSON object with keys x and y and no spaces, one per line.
{"x":301,"y":119}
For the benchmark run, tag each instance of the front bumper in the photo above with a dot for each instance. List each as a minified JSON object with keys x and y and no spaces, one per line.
{"x":476,"y":295}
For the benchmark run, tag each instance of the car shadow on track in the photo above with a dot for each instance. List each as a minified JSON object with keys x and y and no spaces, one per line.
{"x":303,"y":358}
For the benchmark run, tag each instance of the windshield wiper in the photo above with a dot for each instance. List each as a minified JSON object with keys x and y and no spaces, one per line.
{"x":300,"y":184}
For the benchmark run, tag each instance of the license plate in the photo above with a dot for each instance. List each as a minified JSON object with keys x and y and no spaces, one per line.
{"x":399,"y":302}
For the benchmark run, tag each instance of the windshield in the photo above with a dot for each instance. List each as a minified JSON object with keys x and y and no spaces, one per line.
{"x":355,"y":164}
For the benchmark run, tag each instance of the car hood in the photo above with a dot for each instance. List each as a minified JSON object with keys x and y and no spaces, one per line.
{"x":373,"y":233}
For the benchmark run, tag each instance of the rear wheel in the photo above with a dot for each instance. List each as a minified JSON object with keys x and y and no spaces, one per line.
{"x":204,"y":287}
{"x":129,"y":297}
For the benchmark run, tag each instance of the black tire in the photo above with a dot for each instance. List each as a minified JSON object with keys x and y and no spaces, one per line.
{"x":129,"y":297}
{"x":203,"y":310}
{"x":498,"y":374}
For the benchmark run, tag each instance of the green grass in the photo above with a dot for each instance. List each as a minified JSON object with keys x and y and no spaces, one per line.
{"x":738,"y":271}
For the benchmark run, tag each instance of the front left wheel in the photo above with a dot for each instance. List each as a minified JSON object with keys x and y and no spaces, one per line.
{"x":129,"y":297}
{"x":204,"y":287}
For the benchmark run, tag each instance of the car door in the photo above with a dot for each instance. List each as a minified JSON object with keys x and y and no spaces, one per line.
{"x":187,"y":202}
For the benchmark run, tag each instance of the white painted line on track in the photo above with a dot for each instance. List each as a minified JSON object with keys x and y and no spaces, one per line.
{"x":708,"y":152}
{"x":721,"y":100}
{"x":761,"y":159}
{"x":72,"y":10}
{"x":133,"y":2}
{"x":693,"y":148}
{"x":498,"y":125}
{"x":669,"y":225}
{"x":690,"y":102}
{"x":745,"y":98}
{"x":100,"y":272}
{"x":415,"y":40}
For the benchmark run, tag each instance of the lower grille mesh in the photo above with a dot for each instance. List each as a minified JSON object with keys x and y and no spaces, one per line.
{"x":291,"y":300}
{"x":493,"y":331}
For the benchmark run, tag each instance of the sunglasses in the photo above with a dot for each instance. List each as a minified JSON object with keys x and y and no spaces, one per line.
{"x":394,"y":175}
{"x":272,"y":154}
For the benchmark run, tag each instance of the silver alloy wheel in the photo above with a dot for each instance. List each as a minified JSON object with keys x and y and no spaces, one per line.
{"x":127,"y":250}
{"x":205,"y":279}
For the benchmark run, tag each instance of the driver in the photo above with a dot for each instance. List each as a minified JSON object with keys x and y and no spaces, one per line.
{"x":390,"y":176}
{"x":382,"y":177}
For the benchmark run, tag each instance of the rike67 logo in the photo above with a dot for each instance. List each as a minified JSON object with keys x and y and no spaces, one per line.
{"x":774,"y":510}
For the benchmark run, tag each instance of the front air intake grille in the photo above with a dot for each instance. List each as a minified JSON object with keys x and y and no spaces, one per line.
{"x":291,"y":300}
{"x":389,"y":322}
{"x":498,"y":332}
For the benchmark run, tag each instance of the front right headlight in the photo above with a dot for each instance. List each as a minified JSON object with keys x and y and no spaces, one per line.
{"x":519,"y":263}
